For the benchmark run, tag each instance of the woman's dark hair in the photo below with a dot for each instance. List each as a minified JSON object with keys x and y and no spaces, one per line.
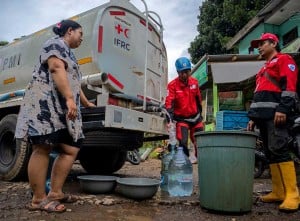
{"x":61,"y":28}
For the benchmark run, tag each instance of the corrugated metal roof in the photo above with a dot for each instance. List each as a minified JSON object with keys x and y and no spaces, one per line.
{"x":234,"y":68}
{"x":226,"y":58}
{"x":234,"y":72}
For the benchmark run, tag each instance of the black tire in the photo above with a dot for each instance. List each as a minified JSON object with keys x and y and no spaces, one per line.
{"x":14,"y":153}
{"x":133,"y":157}
{"x":101,"y":161}
{"x":258,"y":168}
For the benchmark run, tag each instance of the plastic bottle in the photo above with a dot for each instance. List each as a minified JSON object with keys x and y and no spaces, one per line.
{"x":172,"y":134}
{"x":180,"y":178}
{"x":52,"y":157}
{"x":167,"y":158}
{"x":164,"y":168}
{"x":48,"y":185}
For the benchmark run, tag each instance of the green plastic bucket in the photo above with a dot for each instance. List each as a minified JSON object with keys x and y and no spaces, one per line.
{"x":225,"y":170}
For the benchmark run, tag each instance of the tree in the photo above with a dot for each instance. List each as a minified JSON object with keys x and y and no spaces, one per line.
{"x":219,"y":21}
{"x":2,"y":43}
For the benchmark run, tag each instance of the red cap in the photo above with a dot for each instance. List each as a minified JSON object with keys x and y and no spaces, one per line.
{"x":263,"y":37}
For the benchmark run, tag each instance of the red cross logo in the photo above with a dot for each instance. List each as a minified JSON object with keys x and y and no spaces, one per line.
{"x":119,"y":28}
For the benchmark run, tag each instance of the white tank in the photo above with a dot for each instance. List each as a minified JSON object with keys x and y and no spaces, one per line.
{"x":114,"y":42}
{"x":124,"y":66}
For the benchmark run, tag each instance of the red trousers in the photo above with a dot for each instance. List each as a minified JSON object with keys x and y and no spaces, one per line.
{"x":182,"y":132}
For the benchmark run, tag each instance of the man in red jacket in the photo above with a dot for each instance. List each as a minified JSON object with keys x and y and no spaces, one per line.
{"x":183,"y":103}
{"x":271,"y":110}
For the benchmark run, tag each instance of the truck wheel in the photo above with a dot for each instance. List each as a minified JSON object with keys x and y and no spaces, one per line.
{"x":101,"y":161}
{"x":14,"y":153}
{"x":133,"y":157}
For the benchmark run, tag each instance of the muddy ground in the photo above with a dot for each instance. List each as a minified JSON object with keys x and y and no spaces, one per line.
{"x":114,"y":207}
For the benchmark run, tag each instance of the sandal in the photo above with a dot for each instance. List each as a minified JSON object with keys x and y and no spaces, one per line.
{"x":48,"y":206}
{"x":68,"y":198}
{"x":31,"y":207}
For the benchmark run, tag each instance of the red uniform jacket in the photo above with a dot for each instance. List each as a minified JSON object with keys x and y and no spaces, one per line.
{"x":184,"y":100}
{"x":275,"y":88}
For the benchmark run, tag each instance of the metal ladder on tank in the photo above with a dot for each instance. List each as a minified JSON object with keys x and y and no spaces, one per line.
{"x":159,"y":23}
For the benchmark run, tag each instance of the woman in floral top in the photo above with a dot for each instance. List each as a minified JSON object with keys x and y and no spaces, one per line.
{"x":50,"y":116}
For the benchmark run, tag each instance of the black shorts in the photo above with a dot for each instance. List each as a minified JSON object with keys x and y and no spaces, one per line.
{"x":60,"y":136}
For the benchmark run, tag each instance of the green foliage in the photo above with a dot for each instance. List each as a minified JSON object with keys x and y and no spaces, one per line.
{"x":2,"y":43}
{"x":219,"y":21}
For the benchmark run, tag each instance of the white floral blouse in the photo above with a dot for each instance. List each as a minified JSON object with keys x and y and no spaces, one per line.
{"x":44,"y":109}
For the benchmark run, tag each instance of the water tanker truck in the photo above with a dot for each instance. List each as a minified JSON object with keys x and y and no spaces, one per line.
{"x":124,"y":65}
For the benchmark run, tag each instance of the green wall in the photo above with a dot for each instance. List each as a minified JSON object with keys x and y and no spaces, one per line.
{"x":255,"y":34}
{"x":289,"y":25}
{"x":279,"y":30}
{"x":245,"y":43}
